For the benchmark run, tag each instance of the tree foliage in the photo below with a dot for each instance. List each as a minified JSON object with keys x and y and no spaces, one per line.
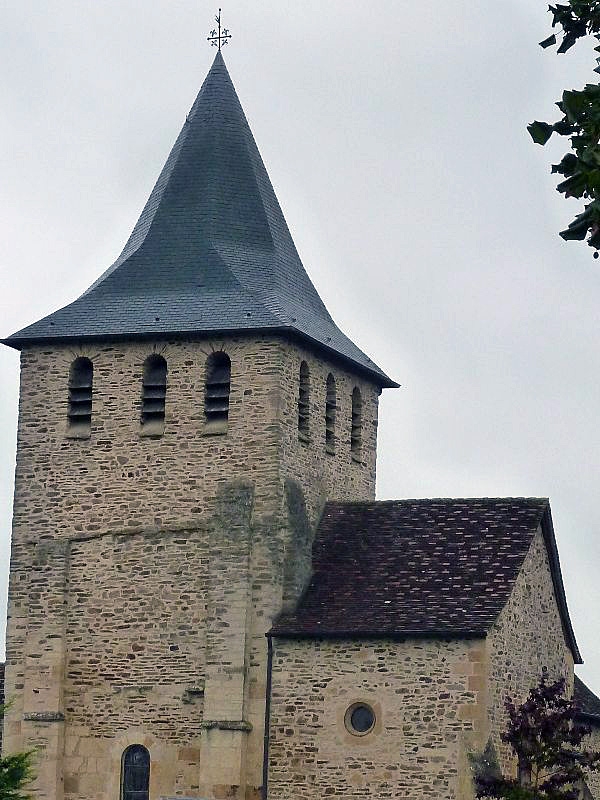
{"x":580,"y":122}
{"x":15,"y":773}
{"x":547,"y":741}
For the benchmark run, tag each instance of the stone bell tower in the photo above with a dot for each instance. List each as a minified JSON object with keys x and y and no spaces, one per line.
{"x":181,"y":425}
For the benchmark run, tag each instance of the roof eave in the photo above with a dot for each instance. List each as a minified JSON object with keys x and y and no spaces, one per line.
{"x":380,"y":378}
{"x":586,"y":717}
{"x":394,"y":635}
{"x":559,"y":589}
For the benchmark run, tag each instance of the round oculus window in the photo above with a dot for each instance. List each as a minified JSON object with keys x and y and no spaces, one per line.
{"x":359,"y":719}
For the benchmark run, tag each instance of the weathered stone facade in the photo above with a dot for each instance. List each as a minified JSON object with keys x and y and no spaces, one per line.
{"x":527,"y":638}
{"x":1,"y":699}
{"x":146,"y":571}
{"x":593,"y":743}
{"x":428,"y":709}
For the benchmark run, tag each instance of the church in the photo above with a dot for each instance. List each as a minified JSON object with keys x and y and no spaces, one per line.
{"x":206,"y":601}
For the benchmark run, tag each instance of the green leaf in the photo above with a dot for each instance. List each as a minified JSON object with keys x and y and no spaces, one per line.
{"x":580,"y":122}
{"x":577,"y":231}
{"x":592,"y":180}
{"x":567,"y":166}
{"x":540,"y":132}
{"x":573,"y":104}
{"x":563,"y":128}
{"x":594,"y":240}
{"x":567,"y":43}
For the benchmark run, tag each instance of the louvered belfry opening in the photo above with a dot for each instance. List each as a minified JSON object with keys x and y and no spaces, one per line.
{"x":154,"y":394}
{"x":217,"y":390}
{"x":135,"y":773}
{"x":330,"y":406}
{"x":304,"y":402}
{"x":356,"y":429}
{"x":81,"y":379}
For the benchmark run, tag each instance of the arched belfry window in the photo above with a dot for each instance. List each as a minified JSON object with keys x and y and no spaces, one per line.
{"x":135,"y":773}
{"x":330,"y":406}
{"x":154,"y":395}
{"x":216,"y":392}
{"x":304,"y":402}
{"x":356,"y":429}
{"x":81,"y":378}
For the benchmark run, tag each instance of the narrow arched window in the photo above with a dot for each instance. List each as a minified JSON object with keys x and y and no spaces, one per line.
{"x":154,"y":395}
{"x":135,"y":773}
{"x":304,"y":402}
{"x":81,"y":377}
{"x":356,"y":429}
{"x":330,"y":405}
{"x":216,"y":393}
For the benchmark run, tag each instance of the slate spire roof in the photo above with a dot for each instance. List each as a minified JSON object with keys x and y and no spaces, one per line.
{"x":211,"y":251}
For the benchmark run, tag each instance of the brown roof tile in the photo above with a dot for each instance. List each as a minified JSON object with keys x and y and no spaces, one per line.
{"x":588,"y":702}
{"x":439,"y":567}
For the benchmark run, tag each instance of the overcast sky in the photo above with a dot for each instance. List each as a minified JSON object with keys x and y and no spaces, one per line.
{"x":394,"y":134}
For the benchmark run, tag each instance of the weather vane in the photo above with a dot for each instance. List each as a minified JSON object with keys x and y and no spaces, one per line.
{"x":219,"y":37}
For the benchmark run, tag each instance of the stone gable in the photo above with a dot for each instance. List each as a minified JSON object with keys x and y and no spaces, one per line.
{"x":527,"y":637}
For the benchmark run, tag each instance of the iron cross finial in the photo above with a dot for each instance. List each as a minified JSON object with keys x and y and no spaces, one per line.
{"x":219,"y":37}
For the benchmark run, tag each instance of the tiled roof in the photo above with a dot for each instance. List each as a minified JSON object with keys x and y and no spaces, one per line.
{"x":211,"y":252}
{"x":419,"y":568}
{"x":589,"y":704}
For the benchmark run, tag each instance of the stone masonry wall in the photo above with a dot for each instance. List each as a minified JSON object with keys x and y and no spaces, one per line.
{"x":527,"y":637}
{"x":310,"y":477}
{"x":592,"y":742}
{"x":323,"y":475}
{"x":89,"y":512}
{"x":1,"y":698}
{"x":429,"y":709}
{"x":135,"y":645}
{"x":115,"y":482}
